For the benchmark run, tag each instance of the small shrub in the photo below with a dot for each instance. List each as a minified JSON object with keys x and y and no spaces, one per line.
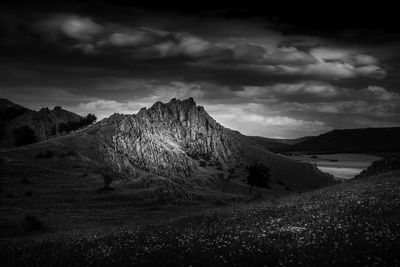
{"x":107,"y":180}
{"x":28,"y":194}
{"x":219,"y":202}
{"x":68,"y":154}
{"x":24,"y":181}
{"x":281,"y":183}
{"x":32,"y":223}
{"x":105,"y":189}
{"x":45,"y":155}
{"x":231,"y":174}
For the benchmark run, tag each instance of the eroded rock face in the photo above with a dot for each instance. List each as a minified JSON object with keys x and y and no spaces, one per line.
{"x":165,"y":139}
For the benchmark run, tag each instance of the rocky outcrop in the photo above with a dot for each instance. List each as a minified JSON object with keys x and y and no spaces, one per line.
{"x":43,"y":123}
{"x":171,"y":139}
{"x":165,"y":139}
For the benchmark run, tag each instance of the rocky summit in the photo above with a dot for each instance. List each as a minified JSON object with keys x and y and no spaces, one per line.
{"x":179,"y":139}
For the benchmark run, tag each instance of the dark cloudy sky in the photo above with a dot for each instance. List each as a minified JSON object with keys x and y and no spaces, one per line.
{"x":278,"y":71}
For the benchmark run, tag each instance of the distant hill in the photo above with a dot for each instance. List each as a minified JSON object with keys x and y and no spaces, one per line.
{"x":276,"y":145}
{"x":21,"y":126}
{"x":365,"y":140}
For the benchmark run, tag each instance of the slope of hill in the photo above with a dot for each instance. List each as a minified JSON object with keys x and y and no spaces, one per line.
{"x":10,"y":110}
{"x":349,"y":224}
{"x":367,"y":140}
{"x":20,"y":126}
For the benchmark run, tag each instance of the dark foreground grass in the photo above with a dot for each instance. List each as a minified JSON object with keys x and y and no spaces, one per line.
{"x":351,"y":224}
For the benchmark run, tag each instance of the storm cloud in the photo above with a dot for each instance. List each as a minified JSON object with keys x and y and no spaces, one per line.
{"x":252,"y":72}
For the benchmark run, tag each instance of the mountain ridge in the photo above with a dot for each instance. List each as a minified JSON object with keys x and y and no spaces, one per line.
{"x":38,"y":125}
{"x":360,"y":140}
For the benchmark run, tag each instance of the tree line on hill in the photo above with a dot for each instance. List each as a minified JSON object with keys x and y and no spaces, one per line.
{"x":26,"y":135}
{"x":73,"y":125}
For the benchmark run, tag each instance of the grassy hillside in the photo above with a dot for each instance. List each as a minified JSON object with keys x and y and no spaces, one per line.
{"x":58,"y":181}
{"x":354,"y":223}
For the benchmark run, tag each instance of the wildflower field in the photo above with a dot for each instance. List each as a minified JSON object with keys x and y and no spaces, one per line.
{"x":355,"y":223}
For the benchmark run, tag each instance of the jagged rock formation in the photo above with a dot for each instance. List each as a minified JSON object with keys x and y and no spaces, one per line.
{"x":171,"y":139}
{"x":43,"y":123}
{"x":164,"y":139}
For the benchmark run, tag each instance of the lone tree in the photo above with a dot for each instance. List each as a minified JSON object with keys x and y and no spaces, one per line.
{"x":90,"y":118}
{"x":231,"y":174}
{"x":108,"y":178}
{"x":259,"y":175}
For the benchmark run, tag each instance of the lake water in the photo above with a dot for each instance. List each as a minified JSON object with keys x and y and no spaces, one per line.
{"x":342,"y":166}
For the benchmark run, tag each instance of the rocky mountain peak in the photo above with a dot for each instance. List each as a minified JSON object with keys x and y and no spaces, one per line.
{"x":178,"y":130}
{"x":183,"y":112}
{"x":173,"y":106}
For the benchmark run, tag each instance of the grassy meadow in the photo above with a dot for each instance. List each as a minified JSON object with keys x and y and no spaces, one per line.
{"x":354,"y":223}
